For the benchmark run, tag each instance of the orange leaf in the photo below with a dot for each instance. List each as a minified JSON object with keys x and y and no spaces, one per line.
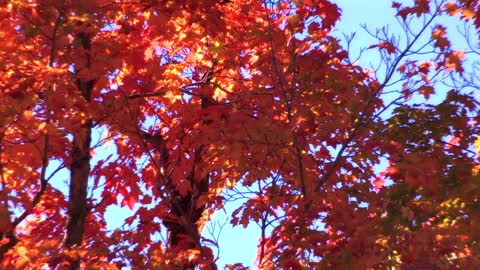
{"x":468,"y":13}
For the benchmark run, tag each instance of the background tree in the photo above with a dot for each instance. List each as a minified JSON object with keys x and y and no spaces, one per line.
{"x":206,"y":102}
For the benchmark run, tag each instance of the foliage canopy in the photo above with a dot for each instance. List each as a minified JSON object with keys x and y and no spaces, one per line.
{"x":342,"y":166}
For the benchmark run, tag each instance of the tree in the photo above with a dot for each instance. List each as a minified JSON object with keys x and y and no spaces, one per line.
{"x":209,"y":101}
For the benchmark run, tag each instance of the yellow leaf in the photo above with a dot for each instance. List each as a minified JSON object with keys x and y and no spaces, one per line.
{"x":22,"y":251}
{"x":477,"y":145}
{"x":146,"y":14}
{"x":42,"y":125}
{"x":219,"y":94}
{"x":170,"y":95}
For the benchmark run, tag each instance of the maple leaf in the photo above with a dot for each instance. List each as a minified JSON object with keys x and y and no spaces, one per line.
{"x":454,"y":61}
{"x":451,"y":8}
{"x":426,"y":91}
{"x":468,"y":13}
{"x":129,"y":201}
{"x":378,"y":183}
{"x":388,"y":46}
{"x":150,"y":51}
{"x":439,"y":36}
{"x":396,"y":5}
{"x":219,"y":94}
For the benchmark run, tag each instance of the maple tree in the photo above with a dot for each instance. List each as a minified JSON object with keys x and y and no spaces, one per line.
{"x":206,"y":102}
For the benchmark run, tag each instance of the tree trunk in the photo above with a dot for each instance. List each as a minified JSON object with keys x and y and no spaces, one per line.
{"x":80,"y":166}
{"x":79,"y":171}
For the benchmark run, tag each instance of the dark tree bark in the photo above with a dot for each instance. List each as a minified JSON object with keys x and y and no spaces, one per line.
{"x":79,"y":167}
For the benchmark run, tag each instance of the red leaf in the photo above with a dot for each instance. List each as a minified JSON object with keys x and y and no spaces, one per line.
{"x":378,"y":183}
{"x":387,"y":46}
{"x":426,"y":91}
{"x":453,"y":142}
{"x":129,"y":201}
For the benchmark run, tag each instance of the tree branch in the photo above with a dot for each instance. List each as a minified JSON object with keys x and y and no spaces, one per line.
{"x":362,"y":121}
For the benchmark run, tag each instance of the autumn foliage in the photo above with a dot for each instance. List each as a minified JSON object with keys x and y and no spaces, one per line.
{"x":342,"y":165}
